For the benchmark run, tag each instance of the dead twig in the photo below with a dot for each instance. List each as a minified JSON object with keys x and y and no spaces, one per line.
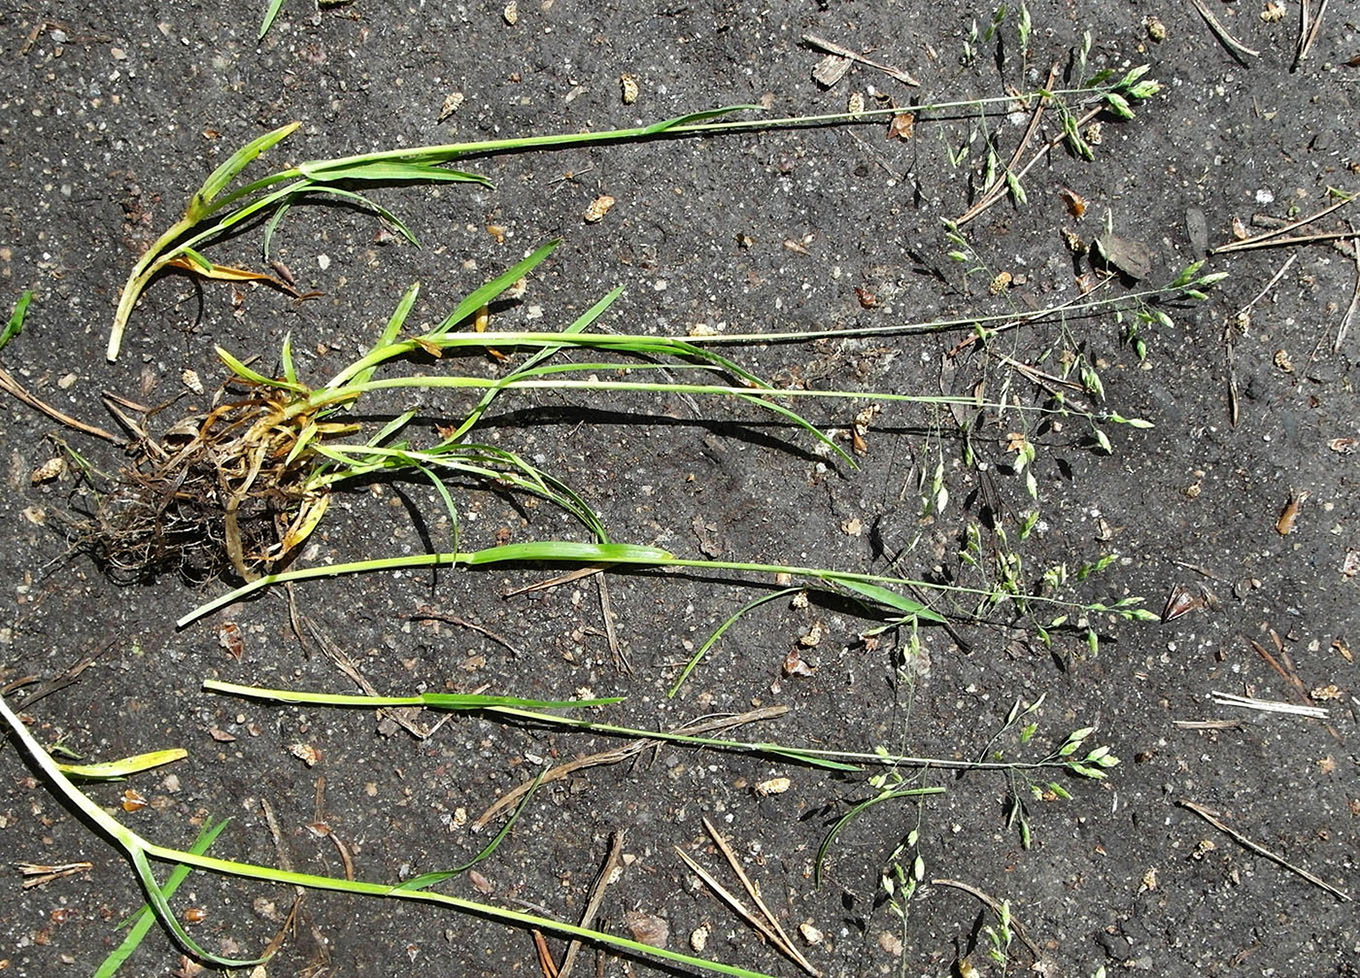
{"x":1261,"y":850}
{"x":1310,"y":26}
{"x":13,"y":387}
{"x":831,"y":47}
{"x":751,"y":918}
{"x":995,"y":906}
{"x":1235,"y":47}
{"x":605,"y":877}
{"x":1271,"y":238}
{"x":998,"y":188}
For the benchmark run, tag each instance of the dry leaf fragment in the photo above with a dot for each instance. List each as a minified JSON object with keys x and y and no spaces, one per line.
{"x":698,"y":939}
{"x":830,"y":70}
{"x":902,"y":127}
{"x":230,"y":638}
{"x":1273,"y":12}
{"x":795,"y":666}
{"x":190,"y":379}
{"x":1000,"y":284}
{"x":1328,"y":692}
{"x":1073,"y":242}
{"x":1124,"y":255}
{"x":854,"y":105}
{"x":511,"y":13}
{"x":598,"y":208}
{"x":480,"y":883}
{"x":1290,"y":514}
{"x":647,"y":928}
{"x":306,"y":753}
{"x":220,"y":735}
{"x":1350,"y":565}
{"x":1340,"y":645}
{"x":1343,"y":446}
{"x":867,"y":299}
{"x":133,"y":800}
{"x":1075,"y":202}
{"x":452,"y":102}
{"x":629,"y":85}
{"x":1283,"y":361}
{"x":1180,"y":602}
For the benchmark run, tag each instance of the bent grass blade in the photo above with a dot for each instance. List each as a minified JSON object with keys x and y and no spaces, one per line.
{"x":141,"y":851}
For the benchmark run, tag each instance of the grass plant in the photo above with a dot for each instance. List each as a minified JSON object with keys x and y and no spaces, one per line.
{"x":244,"y":486}
{"x":218,"y":208}
{"x":141,"y":853}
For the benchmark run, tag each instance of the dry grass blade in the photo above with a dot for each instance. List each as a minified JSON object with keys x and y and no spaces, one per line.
{"x":611,"y":636}
{"x":554,"y":581}
{"x":429,"y":614}
{"x":998,"y":188}
{"x":1261,"y":850}
{"x":400,"y":716}
{"x":1269,"y":706}
{"x":994,"y":905}
{"x":39,"y":874}
{"x":545,"y":958}
{"x":606,"y":876}
{"x":1207,"y":724}
{"x":1235,"y":47}
{"x":1354,"y":308}
{"x":755,"y":921}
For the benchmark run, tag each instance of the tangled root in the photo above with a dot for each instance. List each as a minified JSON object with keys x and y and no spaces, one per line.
{"x":215,"y":494}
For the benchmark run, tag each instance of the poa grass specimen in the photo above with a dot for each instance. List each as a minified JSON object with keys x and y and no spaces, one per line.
{"x":243,"y":486}
{"x":220,"y":207}
{"x":142,"y":853}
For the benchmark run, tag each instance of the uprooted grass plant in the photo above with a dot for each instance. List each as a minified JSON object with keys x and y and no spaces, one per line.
{"x":241,"y":487}
{"x":218,"y":209}
{"x":142,"y":853}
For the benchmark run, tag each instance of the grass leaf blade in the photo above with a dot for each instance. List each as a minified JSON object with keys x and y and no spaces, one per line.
{"x":16,"y":319}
